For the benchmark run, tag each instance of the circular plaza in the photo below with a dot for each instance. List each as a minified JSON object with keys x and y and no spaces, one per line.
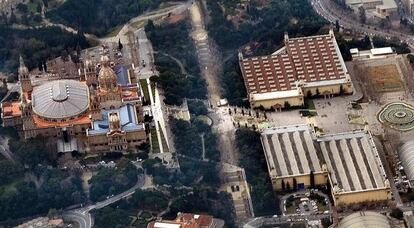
{"x":399,"y":116}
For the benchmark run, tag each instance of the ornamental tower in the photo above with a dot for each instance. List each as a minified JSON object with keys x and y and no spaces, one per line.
{"x":24,"y":77}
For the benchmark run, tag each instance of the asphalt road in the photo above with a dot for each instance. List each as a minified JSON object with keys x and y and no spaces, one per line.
{"x":326,"y":9}
{"x":82,"y":216}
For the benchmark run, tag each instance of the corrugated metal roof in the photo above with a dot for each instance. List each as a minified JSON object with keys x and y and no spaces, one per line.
{"x":60,"y":99}
{"x":406,"y":152}
{"x":365,"y":219}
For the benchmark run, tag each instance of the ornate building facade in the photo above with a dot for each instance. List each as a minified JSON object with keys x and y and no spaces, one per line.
{"x":93,"y":114}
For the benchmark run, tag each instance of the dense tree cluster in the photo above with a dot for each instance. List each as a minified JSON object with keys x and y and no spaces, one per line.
{"x":398,"y":46}
{"x":111,"y":181}
{"x":35,"y":45}
{"x":23,"y":14}
{"x":29,"y":185}
{"x":217,"y":204}
{"x":175,"y":41}
{"x":150,"y":200}
{"x":187,"y":138}
{"x":346,"y":45}
{"x":111,"y":217}
{"x":32,"y":152}
{"x":27,"y":198}
{"x":232,"y":83}
{"x":10,"y":171}
{"x":99,"y":16}
{"x":264,"y":25}
{"x":197,"y":107}
{"x":252,"y":159}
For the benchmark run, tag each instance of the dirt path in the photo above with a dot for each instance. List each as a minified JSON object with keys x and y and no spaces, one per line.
{"x":211,"y":67}
{"x":209,"y":62}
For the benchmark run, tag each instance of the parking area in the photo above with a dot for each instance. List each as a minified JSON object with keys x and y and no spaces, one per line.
{"x":309,"y":202}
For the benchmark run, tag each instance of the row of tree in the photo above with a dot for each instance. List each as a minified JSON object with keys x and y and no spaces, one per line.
{"x":253,"y":160}
{"x":173,"y":41}
{"x":112,"y":181}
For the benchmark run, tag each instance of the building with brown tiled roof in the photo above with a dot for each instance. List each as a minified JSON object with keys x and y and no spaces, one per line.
{"x":305,"y":66}
{"x":188,"y":220}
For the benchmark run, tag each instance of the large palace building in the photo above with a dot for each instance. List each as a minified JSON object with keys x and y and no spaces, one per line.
{"x":94,"y":111}
{"x":305,"y":66}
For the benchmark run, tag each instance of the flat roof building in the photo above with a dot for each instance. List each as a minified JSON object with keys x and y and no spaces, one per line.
{"x":382,"y":8}
{"x":188,"y":220}
{"x":349,"y":161}
{"x":373,"y":53}
{"x":291,"y":153}
{"x":304,"y":66}
{"x":355,"y":169}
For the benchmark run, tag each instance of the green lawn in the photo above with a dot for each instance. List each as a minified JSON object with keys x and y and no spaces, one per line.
{"x":11,"y":187}
{"x":163,"y":141}
{"x":114,"y":31}
{"x":144,"y":87}
{"x":138,"y":24}
{"x":291,"y":209}
{"x":152,"y":89}
{"x":309,"y":104}
{"x":322,"y":206}
{"x":32,"y":6}
{"x":154,"y":141}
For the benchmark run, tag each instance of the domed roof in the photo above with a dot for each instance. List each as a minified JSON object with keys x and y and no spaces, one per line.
{"x":406,"y":153}
{"x":107,"y":76}
{"x":60,"y":99}
{"x":364,"y":219}
{"x":106,"y":72}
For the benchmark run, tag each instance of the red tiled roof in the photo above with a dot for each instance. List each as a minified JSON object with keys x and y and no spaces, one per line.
{"x":41,"y":123}
{"x":187,"y":220}
{"x":310,"y":59}
{"x":11,"y":109}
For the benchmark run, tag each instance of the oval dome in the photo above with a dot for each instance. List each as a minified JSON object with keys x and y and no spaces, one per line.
{"x":60,"y":99}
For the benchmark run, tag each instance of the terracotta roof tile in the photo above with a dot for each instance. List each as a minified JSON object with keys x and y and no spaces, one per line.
{"x":307,"y":58}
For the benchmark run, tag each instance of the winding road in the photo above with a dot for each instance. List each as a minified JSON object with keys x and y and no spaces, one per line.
{"x":82,"y":216}
{"x":330,"y":11}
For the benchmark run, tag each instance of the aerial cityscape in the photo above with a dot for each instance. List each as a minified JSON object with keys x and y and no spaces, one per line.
{"x":207,"y":113}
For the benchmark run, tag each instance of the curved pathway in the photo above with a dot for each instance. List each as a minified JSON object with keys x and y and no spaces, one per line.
{"x":82,"y":216}
{"x":284,"y":198}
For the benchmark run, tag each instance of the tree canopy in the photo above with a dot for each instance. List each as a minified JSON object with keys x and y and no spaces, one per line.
{"x":35,"y":45}
{"x":252,"y":159}
{"x":111,"y":181}
{"x":99,"y":16}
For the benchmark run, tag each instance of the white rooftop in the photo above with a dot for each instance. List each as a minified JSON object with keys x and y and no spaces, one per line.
{"x":166,"y":225}
{"x":351,"y":158}
{"x":382,"y":51}
{"x":290,"y":150}
{"x":353,"y":161}
{"x":275,"y":95}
